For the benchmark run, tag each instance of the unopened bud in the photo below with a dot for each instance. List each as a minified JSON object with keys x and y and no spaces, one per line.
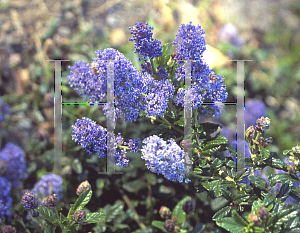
{"x":8,"y":229}
{"x":186,"y":144}
{"x":291,"y":168}
{"x":176,"y":229}
{"x":79,"y":216}
{"x":250,"y":132}
{"x":169,"y":225}
{"x":50,"y":201}
{"x":189,"y":206}
{"x":263,"y":213}
{"x":254,"y":218}
{"x":83,"y":187}
{"x":164,"y":212}
{"x":262,"y":124}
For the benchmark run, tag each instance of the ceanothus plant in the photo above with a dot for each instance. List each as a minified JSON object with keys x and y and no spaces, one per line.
{"x":157,"y":92}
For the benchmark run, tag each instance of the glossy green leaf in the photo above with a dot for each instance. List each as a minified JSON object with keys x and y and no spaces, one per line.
{"x":113,"y":211}
{"x":240,"y":197}
{"x":159,"y":225}
{"x":278,"y":178}
{"x":238,"y":219}
{"x":158,"y":130}
{"x":178,"y":211}
{"x":48,"y":214}
{"x":134,"y":186}
{"x":151,"y":178}
{"x":230,"y":225}
{"x":226,"y":193}
{"x":257,"y":182}
{"x":222,"y":213}
{"x":165,"y":48}
{"x":76,"y":166}
{"x":269,"y":199}
{"x":94,"y":217}
{"x":81,"y":201}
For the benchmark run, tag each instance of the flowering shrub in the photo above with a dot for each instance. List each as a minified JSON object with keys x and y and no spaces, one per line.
{"x":158,"y":93}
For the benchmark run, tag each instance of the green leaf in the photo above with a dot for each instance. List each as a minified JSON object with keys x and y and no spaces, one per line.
{"x":178,"y":211}
{"x":77,"y":166}
{"x":279,"y":178}
{"x":265,"y":153}
{"x":240,"y":197}
{"x":257,"y":182}
{"x":113,"y":211}
{"x":222,"y":213}
{"x":180,"y":122}
{"x":215,"y":166}
{"x":134,"y":186}
{"x":275,"y":163}
{"x":238,"y":219}
{"x":165,"y":48}
{"x":230,"y":225}
{"x":158,"y":130}
{"x":94,"y":217}
{"x":170,"y":113}
{"x":269,"y":199}
{"x":151,"y":178}
{"x":159,"y":225}
{"x":207,"y":128}
{"x":48,"y":214}
{"x":242,"y":174}
{"x":226,"y":193}
{"x":215,"y":186}
{"x":81,"y":201}
{"x":259,"y":230}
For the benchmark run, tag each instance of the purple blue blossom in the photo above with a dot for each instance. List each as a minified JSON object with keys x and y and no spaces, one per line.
{"x":189,"y":42}
{"x":90,"y":136}
{"x":93,"y":138}
{"x":157,"y":95}
{"x":49,"y":184}
{"x":13,"y":164}
{"x":5,"y":199}
{"x":230,"y":33}
{"x":144,"y":44}
{"x":164,"y":157}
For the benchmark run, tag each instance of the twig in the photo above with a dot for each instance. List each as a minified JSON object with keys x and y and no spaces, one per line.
{"x":128,"y":202}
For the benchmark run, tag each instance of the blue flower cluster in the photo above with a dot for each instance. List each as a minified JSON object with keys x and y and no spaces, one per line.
{"x":4,"y":109}
{"x":166,"y":158}
{"x":13,"y":164}
{"x":189,"y":43}
{"x":5,"y":199}
{"x":93,"y":138}
{"x":157,"y":95}
{"x":206,"y":86}
{"x":144,"y":44}
{"x":29,"y":201}
{"x":90,"y":136}
{"x":49,"y":184}
{"x":85,"y":82}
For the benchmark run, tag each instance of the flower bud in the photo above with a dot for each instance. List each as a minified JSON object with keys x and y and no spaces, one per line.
{"x":169,"y":225}
{"x":254,"y":218}
{"x":250,"y":132}
{"x":176,"y":229}
{"x":164,"y":212}
{"x":262,"y":124}
{"x":296,"y":149}
{"x":79,"y":216}
{"x":263,"y":213}
{"x":35,"y":214}
{"x":174,"y":219}
{"x":291,"y":168}
{"x":29,"y":201}
{"x":189,"y":206}
{"x":186,"y":144}
{"x":83,"y":187}
{"x":8,"y":229}
{"x":50,"y":201}
{"x":264,"y":142}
